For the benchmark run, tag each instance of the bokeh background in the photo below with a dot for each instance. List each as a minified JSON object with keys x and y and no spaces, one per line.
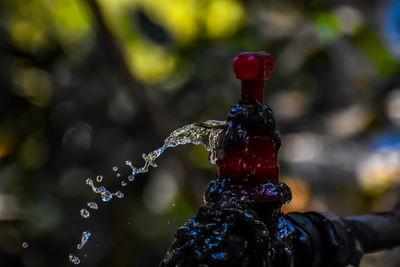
{"x":88,"y":84}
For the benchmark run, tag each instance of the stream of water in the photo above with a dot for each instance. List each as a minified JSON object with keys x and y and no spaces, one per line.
{"x":199,"y":133}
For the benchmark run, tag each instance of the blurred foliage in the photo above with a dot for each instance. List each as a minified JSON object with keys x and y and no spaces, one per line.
{"x":68,"y":113}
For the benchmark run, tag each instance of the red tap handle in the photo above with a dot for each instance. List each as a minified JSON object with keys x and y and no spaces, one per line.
{"x":253,"y":69}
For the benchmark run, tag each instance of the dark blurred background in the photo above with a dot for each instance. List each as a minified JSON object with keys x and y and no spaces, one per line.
{"x":86,"y":85}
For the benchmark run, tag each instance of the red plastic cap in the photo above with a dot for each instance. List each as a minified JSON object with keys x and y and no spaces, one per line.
{"x":257,"y":65}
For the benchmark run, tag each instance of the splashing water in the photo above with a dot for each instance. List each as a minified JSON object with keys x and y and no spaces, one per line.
{"x":85,"y":213}
{"x":106,"y":195}
{"x":89,"y":182}
{"x":84,"y":239}
{"x":205,"y":133}
{"x":119,"y":194}
{"x":93,"y":205}
{"x":74,"y":259}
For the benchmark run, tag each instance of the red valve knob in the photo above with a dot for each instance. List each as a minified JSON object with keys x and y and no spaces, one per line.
{"x":253,"y":66}
{"x":246,"y":66}
{"x":253,"y":69}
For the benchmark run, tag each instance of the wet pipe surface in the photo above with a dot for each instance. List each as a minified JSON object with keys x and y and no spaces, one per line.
{"x":241,"y":223}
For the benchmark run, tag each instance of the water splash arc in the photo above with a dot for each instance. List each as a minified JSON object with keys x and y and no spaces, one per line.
{"x":198,"y":133}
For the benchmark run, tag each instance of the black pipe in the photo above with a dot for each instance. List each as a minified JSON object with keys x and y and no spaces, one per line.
{"x":325,"y":239}
{"x":377,"y":231}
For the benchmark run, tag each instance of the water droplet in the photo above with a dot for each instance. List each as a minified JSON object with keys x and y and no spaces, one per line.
{"x":118,"y":174}
{"x":115,"y":168}
{"x":25,"y":244}
{"x":153,"y":164}
{"x":106,"y":196}
{"x":89,"y":182}
{"x":173,"y":204}
{"x":128,"y":163}
{"x":99,"y":190}
{"x":92,"y":205}
{"x":119,"y":194}
{"x":74,"y":259}
{"x":123,"y":183}
{"x":85,"y":213}
{"x":84,"y":239}
{"x":131,"y":178}
{"x":99,"y":178}
{"x":168,"y":222}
